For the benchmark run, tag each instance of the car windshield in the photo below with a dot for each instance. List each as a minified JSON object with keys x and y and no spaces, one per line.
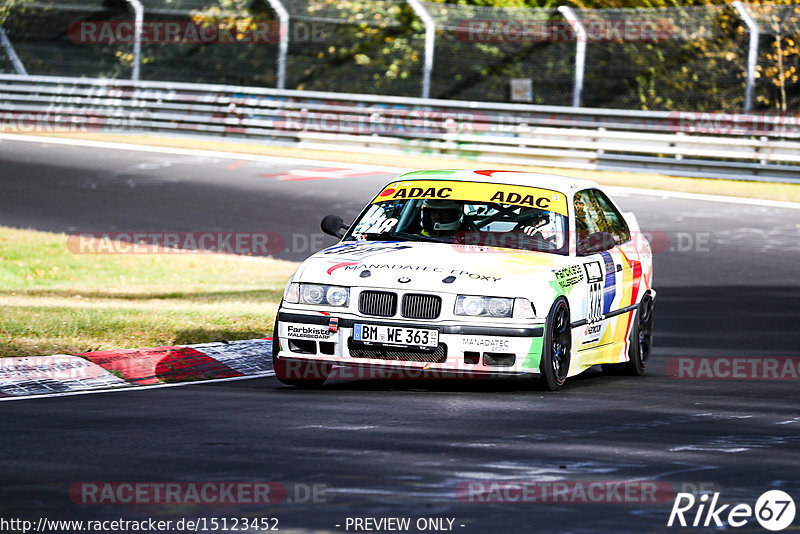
{"x":443,"y":218}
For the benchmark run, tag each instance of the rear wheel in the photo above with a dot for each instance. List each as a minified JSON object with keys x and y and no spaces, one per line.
{"x":557,"y":347}
{"x":640,"y":342}
{"x":302,"y":374}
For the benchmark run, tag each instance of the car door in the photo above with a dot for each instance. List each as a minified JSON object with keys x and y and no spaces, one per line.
{"x":600,"y":232}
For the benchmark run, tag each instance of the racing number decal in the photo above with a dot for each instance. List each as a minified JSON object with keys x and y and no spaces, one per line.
{"x":595,"y":302}
{"x":594,"y":277}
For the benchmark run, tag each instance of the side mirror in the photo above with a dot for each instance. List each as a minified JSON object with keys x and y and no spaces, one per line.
{"x":331,"y":224}
{"x":596,"y":242}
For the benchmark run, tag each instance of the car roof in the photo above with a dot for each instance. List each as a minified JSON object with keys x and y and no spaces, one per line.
{"x":553,"y":182}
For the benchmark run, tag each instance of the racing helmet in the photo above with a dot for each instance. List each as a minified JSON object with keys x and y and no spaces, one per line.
{"x":538,"y":218}
{"x":441,"y":215}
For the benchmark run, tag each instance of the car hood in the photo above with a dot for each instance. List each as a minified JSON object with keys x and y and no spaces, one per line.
{"x":428,"y":266}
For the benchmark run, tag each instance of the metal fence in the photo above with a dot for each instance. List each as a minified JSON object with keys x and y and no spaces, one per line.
{"x":737,"y":146}
{"x":701,"y":58}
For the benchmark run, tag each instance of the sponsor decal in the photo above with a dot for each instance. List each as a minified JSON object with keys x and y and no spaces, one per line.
{"x":542,"y":202}
{"x":492,"y":344}
{"x":310,"y":332}
{"x":362,"y":249}
{"x":339,"y":265}
{"x":423,"y":268}
{"x":592,"y":334}
{"x":532,"y":197}
{"x":569,"y":276}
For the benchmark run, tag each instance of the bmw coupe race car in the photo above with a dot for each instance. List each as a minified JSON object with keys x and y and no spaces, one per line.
{"x":473,"y":273}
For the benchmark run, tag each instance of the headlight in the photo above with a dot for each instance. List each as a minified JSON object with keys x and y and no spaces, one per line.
{"x":318,"y":295}
{"x":337,"y":296}
{"x":484,"y":306}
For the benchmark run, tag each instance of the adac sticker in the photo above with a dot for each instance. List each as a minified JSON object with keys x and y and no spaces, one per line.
{"x":532,"y":197}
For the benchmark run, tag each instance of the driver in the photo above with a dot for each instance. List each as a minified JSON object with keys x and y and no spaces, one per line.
{"x":534,"y":225}
{"x":441,"y":217}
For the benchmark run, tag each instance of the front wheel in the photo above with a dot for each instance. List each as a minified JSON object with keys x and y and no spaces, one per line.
{"x":302,"y":374}
{"x":557,"y":347}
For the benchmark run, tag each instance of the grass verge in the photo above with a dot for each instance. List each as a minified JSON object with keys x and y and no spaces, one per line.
{"x":55,"y":301}
{"x":738,"y":188}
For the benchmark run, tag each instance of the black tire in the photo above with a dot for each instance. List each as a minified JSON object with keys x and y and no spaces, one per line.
{"x":556,"y":348}
{"x":640,"y":342}
{"x":301,"y":374}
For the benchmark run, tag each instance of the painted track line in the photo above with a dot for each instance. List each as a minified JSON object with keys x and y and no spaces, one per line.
{"x":198,"y":152}
{"x":704,"y":198}
{"x":361,"y":166}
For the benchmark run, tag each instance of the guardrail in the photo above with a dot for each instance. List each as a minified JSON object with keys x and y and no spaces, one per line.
{"x":756,"y":147}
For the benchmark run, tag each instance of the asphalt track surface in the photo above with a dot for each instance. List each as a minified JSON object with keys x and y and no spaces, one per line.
{"x":728,"y":285}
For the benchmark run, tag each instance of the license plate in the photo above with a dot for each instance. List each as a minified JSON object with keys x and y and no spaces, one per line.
{"x":396,"y":335}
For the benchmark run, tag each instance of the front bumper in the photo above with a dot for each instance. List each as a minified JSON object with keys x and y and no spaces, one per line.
{"x":464,"y":350}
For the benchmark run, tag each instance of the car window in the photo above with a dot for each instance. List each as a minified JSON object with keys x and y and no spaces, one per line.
{"x":464,"y":222}
{"x":614,"y":219}
{"x":598,"y":225}
{"x":587,"y":214}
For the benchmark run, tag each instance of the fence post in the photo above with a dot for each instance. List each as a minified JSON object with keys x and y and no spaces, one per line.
{"x":430,"y":35}
{"x":138,"y":24}
{"x":752,"y":53}
{"x":283,"y":44}
{"x":11,"y":53}
{"x":580,"y":52}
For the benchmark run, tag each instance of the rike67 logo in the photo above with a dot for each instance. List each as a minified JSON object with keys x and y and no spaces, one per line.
{"x":774,"y":510}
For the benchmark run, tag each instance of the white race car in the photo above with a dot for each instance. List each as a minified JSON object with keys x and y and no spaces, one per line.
{"x":473,"y":273}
